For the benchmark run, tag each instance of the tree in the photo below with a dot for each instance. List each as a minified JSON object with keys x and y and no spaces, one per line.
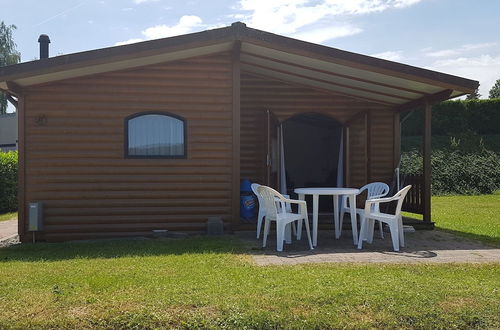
{"x":8,"y":55}
{"x":495,"y":90}
{"x":474,"y":95}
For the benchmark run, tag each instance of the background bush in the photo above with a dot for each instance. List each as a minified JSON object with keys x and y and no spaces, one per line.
{"x":455,"y":117}
{"x":457,"y":172}
{"x":8,"y":181}
{"x":465,"y":146}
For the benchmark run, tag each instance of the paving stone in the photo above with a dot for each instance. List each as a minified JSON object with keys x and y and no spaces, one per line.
{"x":421,"y":247}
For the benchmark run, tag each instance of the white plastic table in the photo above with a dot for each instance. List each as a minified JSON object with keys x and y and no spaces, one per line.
{"x":335,"y":192}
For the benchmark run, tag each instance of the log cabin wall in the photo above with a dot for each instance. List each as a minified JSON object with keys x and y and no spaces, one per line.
{"x":259,"y":94}
{"x":381,"y":159}
{"x":75,"y":160}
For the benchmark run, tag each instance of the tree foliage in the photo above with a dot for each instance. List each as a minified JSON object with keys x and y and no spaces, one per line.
{"x":8,"y":55}
{"x":474,"y":95}
{"x":456,"y":117}
{"x":495,"y":90}
{"x":8,"y":181}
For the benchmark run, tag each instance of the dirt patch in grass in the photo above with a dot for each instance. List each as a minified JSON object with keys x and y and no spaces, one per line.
{"x":453,"y":304}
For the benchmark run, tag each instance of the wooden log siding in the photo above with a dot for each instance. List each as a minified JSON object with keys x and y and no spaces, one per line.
{"x":259,"y":94}
{"x":381,"y":160}
{"x":357,"y":162}
{"x":75,"y":161}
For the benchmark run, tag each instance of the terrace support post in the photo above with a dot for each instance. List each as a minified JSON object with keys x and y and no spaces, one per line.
{"x":427,"y":162}
{"x":236,"y":82}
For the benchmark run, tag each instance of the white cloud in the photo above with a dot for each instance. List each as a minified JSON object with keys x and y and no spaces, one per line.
{"x":129,"y":41}
{"x":469,"y":47}
{"x":390,"y":55}
{"x":311,"y":20}
{"x":323,"y":34}
{"x":485,"y":68}
{"x":138,"y":2}
{"x":443,"y":53}
{"x":457,"y":51}
{"x":405,"y":3}
{"x":186,"y":24}
{"x":291,"y":16}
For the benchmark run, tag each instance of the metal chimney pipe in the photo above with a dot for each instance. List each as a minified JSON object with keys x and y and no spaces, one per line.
{"x":44,"y":46}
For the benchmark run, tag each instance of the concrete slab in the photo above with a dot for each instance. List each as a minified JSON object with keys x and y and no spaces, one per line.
{"x":8,"y":228}
{"x":421,"y":247}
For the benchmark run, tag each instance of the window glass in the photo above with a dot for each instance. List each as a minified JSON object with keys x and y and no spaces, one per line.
{"x":155,"y":135}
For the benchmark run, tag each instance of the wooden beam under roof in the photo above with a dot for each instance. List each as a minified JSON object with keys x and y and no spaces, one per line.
{"x":431,"y":99}
{"x":326,"y":81}
{"x":377,"y":83}
{"x":269,"y":75}
{"x":358,"y":61}
{"x":316,"y":88}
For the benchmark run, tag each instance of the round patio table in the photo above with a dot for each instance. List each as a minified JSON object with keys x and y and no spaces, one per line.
{"x":335,"y":192}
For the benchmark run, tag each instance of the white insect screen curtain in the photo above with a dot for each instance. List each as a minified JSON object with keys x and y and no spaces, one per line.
{"x":283,"y":188}
{"x":340,"y":166}
{"x":155,"y":135}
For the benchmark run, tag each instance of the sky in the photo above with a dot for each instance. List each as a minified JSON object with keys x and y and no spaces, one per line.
{"x":458,"y":37}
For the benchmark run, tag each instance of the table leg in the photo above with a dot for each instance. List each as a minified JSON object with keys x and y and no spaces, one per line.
{"x":336,"y":221}
{"x":315,"y":220}
{"x":354,"y":221}
{"x":299,"y":225}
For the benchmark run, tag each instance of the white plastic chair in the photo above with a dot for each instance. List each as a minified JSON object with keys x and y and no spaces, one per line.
{"x":281,"y":215}
{"x":262,"y":208}
{"x":395,"y":221}
{"x":374,"y":190}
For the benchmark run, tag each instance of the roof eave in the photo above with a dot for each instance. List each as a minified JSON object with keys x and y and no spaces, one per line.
{"x":237,"y":31}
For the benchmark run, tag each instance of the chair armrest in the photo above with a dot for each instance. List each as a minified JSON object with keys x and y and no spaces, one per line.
{"x":369,"y":202}
{"x":293,"y":201}
{"x":381,"y":200}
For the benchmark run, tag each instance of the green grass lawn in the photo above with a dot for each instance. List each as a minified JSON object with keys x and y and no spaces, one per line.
{"x":8,"y":216}
{"x":212,"y":283}
{"x":476,"y":217}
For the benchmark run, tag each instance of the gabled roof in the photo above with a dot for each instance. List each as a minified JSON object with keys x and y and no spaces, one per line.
{"x":262,"y":53}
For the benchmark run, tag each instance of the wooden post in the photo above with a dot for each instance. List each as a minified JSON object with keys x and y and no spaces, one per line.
{"x":347,"y":158}
{"x":427,"y":162}
{"x":236,"y":69}
{"x":397,"y":139}
{"x":21,"y":192}
{"x":368,"y":147}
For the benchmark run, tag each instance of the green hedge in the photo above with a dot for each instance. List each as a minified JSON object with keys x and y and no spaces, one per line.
{"x":457,"y":172}
{"x":8,"y":181}
{"x":455,"y":117}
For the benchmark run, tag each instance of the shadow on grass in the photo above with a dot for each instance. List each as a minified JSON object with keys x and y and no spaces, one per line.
{"x":493,"y":241}
{"x":118,"y":248}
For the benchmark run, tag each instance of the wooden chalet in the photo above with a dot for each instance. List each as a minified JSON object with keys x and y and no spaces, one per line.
{"x":226,"y":92}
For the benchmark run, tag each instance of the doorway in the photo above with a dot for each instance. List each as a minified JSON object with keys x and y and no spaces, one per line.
{"x":311,"y":151}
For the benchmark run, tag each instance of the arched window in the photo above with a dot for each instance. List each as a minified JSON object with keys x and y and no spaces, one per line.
{"x":155,"y":135}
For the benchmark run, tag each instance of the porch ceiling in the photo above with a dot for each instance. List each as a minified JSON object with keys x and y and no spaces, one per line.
{"x":348,"y":80}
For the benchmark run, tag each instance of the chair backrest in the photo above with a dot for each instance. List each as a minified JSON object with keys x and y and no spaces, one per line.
{"x":255,"y":189}
{"x":269,"y":197}
{"x":378,"y":189}
{"x":400,"y":196}
{"x":374,"y":189}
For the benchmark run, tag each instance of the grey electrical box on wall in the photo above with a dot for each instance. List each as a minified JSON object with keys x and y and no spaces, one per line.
{"x":35,"y":212}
